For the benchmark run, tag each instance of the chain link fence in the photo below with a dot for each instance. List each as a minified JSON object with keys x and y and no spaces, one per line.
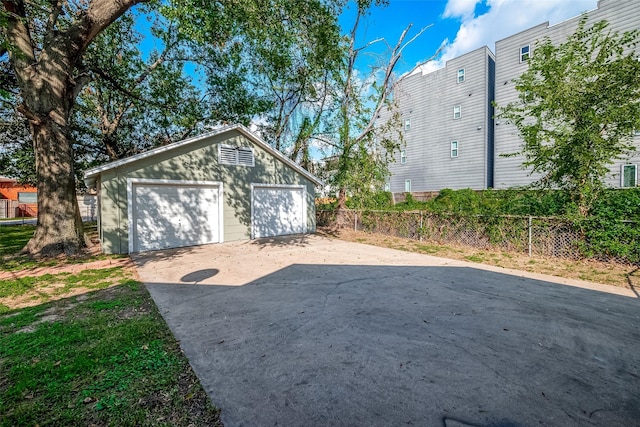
{"x":554,"y":237}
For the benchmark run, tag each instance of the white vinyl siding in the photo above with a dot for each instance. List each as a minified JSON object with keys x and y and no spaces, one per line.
{"x":508,"y":172}
{"x":629,"y":176}
{"x":430,"y":98}
{"x":235,"y":156}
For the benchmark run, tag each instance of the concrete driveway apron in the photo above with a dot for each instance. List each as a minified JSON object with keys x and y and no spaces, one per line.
{"x":309,"y":330}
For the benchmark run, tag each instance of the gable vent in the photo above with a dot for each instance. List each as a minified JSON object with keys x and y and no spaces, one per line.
{"x":245,"y":156}
{"x":236,"y":156}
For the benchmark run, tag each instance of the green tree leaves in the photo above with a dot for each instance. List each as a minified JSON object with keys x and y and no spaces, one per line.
{"x":579,"y":103}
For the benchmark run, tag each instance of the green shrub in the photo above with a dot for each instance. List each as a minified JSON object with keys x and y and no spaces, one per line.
{"x":379,"y":200}
{"x":612,"y":229}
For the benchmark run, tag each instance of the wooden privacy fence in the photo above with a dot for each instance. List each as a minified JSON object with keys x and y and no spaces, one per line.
{"x":16,"y":209}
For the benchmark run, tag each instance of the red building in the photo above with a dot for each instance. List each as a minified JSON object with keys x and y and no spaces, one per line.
{"x":17,"y":200}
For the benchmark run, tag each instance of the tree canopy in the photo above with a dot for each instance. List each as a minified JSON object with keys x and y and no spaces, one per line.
{"x":578,"y":106}
{"x":93,"y":81}
{"x":87,"y":92}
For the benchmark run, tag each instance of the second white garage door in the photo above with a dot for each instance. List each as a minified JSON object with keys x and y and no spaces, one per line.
{"x":172,"y":215}
{"x":278,"y":210}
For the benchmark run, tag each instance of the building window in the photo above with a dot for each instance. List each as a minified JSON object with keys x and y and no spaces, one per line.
{"x":457,"y":112}
{"x":461,"y":75}
{"x":629,"y":175}
{"x":387,"y":187}
{"x":235,"y":156}
{"x":454,"y":149}
{"x":407,"y":124}
{"x":636,"y":132}
{"x":525,"y":53}
{"x":27,"y":197}
{"x":403,"y":157}
{"x":407,"y":186}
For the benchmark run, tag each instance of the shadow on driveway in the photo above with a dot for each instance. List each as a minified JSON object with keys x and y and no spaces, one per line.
{"x":407,"y":345}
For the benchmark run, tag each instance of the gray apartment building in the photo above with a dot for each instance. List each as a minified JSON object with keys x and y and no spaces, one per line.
{"x":447,"y":126}
{"x":511,"y":55}
{"x":452,"y":140}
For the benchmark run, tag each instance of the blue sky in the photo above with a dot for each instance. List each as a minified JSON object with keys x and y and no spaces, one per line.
{"x":459,"y":26}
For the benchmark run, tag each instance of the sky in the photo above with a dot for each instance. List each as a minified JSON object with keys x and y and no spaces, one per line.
{"x":456,"y":26}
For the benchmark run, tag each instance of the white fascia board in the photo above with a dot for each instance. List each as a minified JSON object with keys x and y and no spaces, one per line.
{"x":91,"y":174}
{"x":107,"y":166}
{"x":284,"y":159}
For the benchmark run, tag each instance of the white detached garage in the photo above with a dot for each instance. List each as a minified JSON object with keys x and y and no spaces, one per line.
{"x":221,"y":186}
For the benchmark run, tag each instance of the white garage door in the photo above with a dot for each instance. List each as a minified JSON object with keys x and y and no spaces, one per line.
{"x":173,"y":215}
{"x":278,"y":210}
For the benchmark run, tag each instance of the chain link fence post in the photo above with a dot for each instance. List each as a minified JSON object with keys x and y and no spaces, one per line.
{"x":530,"y":233}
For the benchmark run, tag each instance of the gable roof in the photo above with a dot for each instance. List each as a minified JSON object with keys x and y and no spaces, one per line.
{"x":91,"y":174}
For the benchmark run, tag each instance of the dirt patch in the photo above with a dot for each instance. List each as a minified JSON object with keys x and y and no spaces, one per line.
{"x":58,"y":290}
{"x":593,"y":271}
{"x":67,"y":268}
{"x":131,"y":312}
{"x":48,"y":319}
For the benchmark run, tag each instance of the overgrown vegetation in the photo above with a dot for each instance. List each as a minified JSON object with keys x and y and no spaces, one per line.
{"x":611,"y":229}
{"x":613,"y":203}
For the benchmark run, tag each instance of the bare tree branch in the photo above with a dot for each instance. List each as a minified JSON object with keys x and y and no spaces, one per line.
{"x":368,"y":44}
{"x":387,"y":87}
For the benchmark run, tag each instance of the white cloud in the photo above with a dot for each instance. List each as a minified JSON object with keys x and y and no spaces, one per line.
{"x":460,"y":8}
{"x":502,"y":19}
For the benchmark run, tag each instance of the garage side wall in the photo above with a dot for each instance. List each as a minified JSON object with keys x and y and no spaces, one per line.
{"x":198,"y":161}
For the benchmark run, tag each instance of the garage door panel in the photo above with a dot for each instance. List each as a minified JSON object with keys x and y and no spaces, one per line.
{"x":169,"y":216}
{"x":278,"y":211}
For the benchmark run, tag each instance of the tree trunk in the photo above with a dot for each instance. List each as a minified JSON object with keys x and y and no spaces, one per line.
{"x":59,"y":227}
{"x":342,"y":217}
{"x":342,"y":199}
{"x":48,"y":103}
{"x":47,"y":59}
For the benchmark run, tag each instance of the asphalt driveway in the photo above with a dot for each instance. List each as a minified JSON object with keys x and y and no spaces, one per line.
{"x":311,"y":331}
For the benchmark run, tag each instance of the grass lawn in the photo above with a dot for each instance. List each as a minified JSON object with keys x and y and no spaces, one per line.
{"x":14,"y":237}
{"x":96,"y":353}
